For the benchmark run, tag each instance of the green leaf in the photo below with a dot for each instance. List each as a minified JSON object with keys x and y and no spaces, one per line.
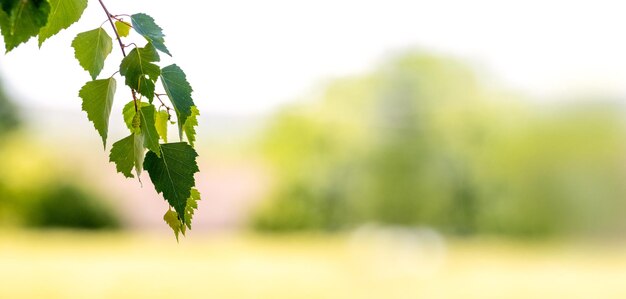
{"x":144,"y":123}
{"x":192,"y":206}
{"x":63,"y":13}
{"x":128,"y":153}
{"x":139,"y":70}
{"x":174,"y":222}
{"x":179,"y":91}
{"x":173,"y":173}
{"x":145,"y":25}
{"x":161,"y":124}
{"x":171,"y":218}
{"x":123,"y":28}
{"x":97,"y":101}
{"x":148,"y":129}
{"x":190,"y":125}
{"x":91,"y":48}
{"x":122,"y":155}
{"x":22,"y":19}
{"x":131,"y":119}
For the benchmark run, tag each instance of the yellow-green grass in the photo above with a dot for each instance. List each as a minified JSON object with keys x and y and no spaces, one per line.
{"x":142,"y":265}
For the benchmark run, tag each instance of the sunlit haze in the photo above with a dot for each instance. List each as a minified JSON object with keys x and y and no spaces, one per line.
{"x":248,"y":57}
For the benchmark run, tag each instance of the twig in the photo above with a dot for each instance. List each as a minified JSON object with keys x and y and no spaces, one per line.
{"x":119,"y":40}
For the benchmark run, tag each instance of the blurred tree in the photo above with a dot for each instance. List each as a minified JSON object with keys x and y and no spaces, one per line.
{"x":36,"y":198}
{"x":420,"y":143}
{"x":8,"y":114}
{"x":8,"y":122}
{"x":66,"y":205}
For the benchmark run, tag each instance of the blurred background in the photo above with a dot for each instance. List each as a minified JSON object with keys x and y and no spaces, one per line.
{"x":377,"y":149}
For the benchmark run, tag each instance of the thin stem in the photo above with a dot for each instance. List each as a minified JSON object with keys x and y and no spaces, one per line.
{"x":109,"y":17}
{"x":117,"y":18}
{"x":167,"y":109}
{"x":158,"y":95}
{"x":119,"y":40}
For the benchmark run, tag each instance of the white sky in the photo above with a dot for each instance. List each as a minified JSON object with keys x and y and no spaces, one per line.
{"x":247,"y":57}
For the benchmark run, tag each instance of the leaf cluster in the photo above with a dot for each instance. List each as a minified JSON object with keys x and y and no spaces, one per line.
{"x":170,"y":166}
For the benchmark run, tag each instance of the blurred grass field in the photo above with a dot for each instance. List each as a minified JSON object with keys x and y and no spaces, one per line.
{"x":83,"y":265}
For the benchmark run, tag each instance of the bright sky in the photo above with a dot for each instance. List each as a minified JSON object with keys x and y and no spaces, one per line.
{"x":247,"y":57}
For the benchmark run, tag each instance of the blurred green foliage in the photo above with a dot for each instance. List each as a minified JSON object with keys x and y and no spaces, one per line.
{"x":9,"y":118}
{"x":35,"y":191}
{"x":423,"y":142}
{"x":66,"y":205}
